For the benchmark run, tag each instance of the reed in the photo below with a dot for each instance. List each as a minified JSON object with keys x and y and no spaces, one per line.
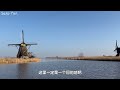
{"x":17,"y":60}
{"x":101,"y":58}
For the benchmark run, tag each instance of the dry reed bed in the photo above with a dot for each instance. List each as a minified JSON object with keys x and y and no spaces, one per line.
{"x":101,"y":58}
{"x":16,"y":60}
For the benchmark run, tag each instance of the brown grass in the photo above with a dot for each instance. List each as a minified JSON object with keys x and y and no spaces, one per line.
{"x":101,"y":58}
{"x":17,"y":60}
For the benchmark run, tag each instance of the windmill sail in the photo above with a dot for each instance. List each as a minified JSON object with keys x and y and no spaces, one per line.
{"x":22,"y":36}
{"x":23,"y":51}
{"x":116,"y":44}
{"x":117,"y":49}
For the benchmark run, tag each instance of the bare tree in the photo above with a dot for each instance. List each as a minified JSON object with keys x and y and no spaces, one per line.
{"x":81,"y":54}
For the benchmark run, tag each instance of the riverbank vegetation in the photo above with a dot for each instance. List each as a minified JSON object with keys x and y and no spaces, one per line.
{"x":17,"y":60}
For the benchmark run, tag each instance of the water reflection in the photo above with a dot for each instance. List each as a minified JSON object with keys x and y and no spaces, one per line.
{"x":90,"y":70}
{"x":117,"y":71}
{"x":22,"y":70}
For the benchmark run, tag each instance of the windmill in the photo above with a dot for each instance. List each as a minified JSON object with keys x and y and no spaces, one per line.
{"x":23,"y":49}
{"x":117,"y":49}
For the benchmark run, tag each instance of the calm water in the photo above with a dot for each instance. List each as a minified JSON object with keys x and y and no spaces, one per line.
{"x":89,"y":70}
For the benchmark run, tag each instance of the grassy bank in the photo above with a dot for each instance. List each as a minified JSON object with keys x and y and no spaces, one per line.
{"x":100,"y":58}
{"x":17,"y":61}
